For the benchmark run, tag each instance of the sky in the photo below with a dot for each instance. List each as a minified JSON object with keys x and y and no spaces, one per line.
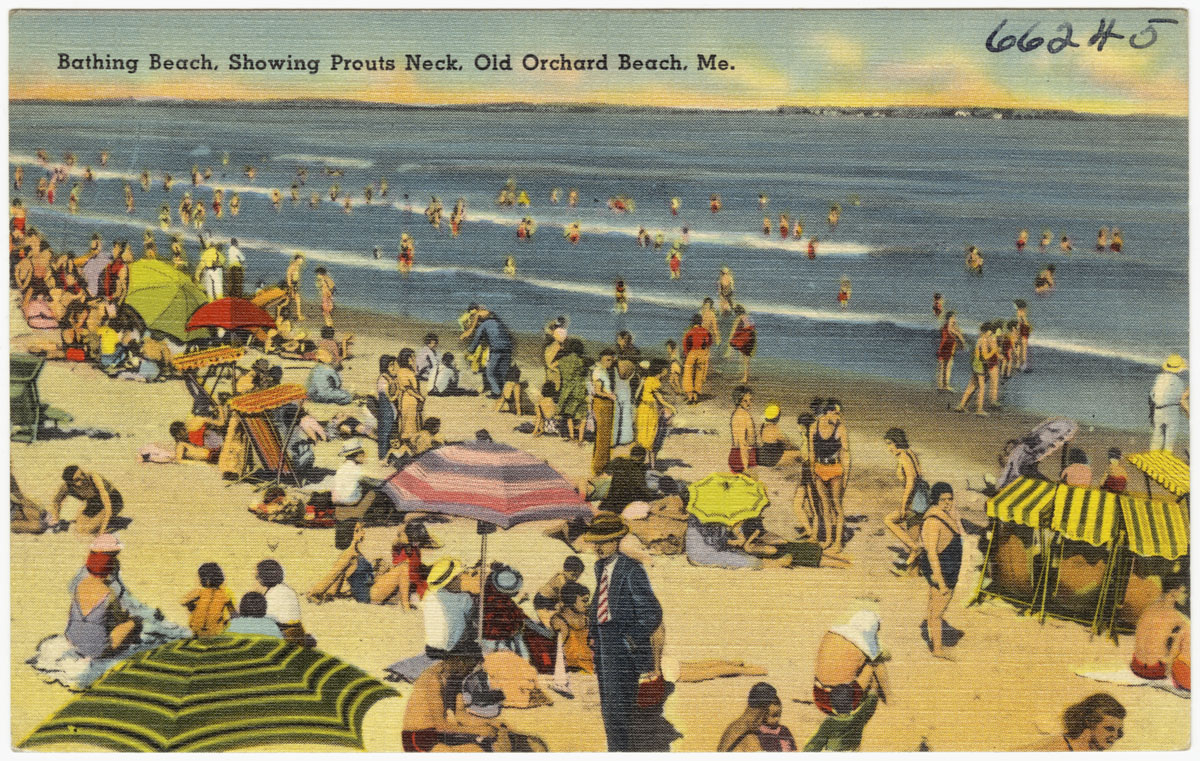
{"x":805,"y":58}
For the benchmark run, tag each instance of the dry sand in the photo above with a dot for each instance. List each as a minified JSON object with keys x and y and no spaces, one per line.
{"x":1010,"y":681}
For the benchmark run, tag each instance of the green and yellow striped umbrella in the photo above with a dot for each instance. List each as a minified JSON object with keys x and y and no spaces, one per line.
{"x":219,"y":693}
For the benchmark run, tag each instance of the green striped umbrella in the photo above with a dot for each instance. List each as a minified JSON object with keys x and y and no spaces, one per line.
{"x":219,"y":693}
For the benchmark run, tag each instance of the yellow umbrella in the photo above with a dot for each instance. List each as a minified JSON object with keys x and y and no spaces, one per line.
{"x":727,"y":498}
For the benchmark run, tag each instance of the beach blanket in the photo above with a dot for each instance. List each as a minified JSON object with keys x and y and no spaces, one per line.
{"x":1123,"y":676}
{"x":409,"y":669}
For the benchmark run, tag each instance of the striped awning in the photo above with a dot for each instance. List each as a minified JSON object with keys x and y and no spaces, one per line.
{"x":1022,"y":501}
{"x":258,"y":402}
{"x":1172,"y":473}
{"x":1156,"y":529}
{"x":199,"y":359}
{"x":1085,"y":515}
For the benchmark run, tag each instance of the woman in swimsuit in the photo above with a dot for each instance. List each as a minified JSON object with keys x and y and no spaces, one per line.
{"x":992,"y":363}
{"x":829,"y":456}
{"x":1024,"y":330}
{"x":905,"y":521}
{"x":941,"y":537}
{"x":743,"y":337}
{"x":951,"y":339}
{"x":725,"y":291}
{"x":978,"y":382}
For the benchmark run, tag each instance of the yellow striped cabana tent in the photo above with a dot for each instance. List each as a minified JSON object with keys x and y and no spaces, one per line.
{"x":1060,"y":515}
{"x":1164,"y":468}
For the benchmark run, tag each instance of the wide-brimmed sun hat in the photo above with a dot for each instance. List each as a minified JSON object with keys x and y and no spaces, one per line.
{"x":1175,"y":364}
{"x":507,"y":580}
{"x":106,"y":543}
{"x":863,"y":632}
{"x":443,"y":572}
{"x":605,"y":527}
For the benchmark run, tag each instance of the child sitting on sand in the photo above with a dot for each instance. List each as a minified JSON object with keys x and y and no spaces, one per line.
{"x":546,"y":600}
{"x":210,"y":605}
{"x":546,"y":411}
{"x":185,"y":450}
{"x":675,"y":374}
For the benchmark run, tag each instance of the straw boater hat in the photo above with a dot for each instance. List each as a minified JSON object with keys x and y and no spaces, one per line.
{"x":863,"y":632}
{"x":606,"y":527}
{"x":443,"y":572}
{"x":352,"y":447}
{"x":1175,"y":364}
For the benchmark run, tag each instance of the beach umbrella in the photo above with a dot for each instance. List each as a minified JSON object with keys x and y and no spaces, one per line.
{"x":231,"y":314}
{"x":218,"y":693}
{"x":727,"y":498}
{"x":269,"y":297}
{"x":93,"y":269}
{"x":491,"y":483}
{"x":1046,"y":438}
{"x":164,"y":297}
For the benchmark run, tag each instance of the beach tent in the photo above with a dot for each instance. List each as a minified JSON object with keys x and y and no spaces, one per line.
{"x":1165,"y":469}
{"x":218,"y":693}
{"x":164,"y":297}
{"x":1067,"y":552}
{"x":251,"y":421}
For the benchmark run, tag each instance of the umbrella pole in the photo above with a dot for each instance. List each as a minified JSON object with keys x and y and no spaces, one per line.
{"x":483,"y":535}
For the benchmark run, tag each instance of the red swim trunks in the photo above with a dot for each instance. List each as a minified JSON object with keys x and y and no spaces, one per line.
{"x":735,"y":459}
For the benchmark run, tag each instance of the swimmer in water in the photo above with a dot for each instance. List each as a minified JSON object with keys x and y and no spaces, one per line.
{"x":178,"y":255}
{"x":798,"y":230}
{"x":523,"y":199}
{"x":1118,"y":241}
{"x":762,"y":200}
{"x":87,"y":174}
{"x":725,"y":291}
{"x":103,"y":158}
{"x":675,"y":262}
{"x":276,"y":199}
{"x":554,"y":195}
{"x":145,"y":179}
{"x":572,"y":233}
{"x":208,"y":173}
{"x":368,"y":191}
{"x":375,"y":253}
{"x":767,"y":226}
{"x":1044,"y":243}
{"x":149,"y":247}
{"x":835,"y":214}
{"x":974,"y":260}
{"x":642,"y":237}
{"x":295,"y":193}
{"x":218,"y":202}
{"x":510,"y":266}
{"x":675,"y":203}
{"x":73,"y":199}
{"x":164,"y":216}
{"x":785,"y":226}
{"x":314,"y":200}
{"x":198,"y":216}
{"x":714,"y":203}
{"x":334,"y":189}
{"x":812,"y":247}
{"x":383,"y":187}
{"x":1044,"y":282}
{"x":225,"y":158}
{"x":1102,"y":239}
{"x":407,"y":253}
{"x":1022,"y":239}
{"x":235,"y":204}
{"x":843,"y":296}
{"x":168,"y":181}
{"x":346,"y":204}
{"x":250,"y":172}
{"x":1065,"y":246}
{"x":659,"y":239}
{"x":195,"y":175}
{"x":18,"y":175}
{"x":620,"y":300}
{"x":128,"y":199}
{"x":937,"y":305}
{"x":572,"y":197}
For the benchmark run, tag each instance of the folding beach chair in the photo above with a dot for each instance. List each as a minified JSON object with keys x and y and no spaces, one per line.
{"x":254,"y":411}
{"x":26,"y":410}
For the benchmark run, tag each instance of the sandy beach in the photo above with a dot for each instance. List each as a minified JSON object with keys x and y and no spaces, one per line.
{"x":1010,"y":681}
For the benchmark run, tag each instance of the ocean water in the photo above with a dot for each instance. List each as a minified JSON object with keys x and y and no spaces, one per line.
{"x":925,"y":190}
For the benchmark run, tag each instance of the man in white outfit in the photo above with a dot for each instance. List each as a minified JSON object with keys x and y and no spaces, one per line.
{"x":1168,"y":404}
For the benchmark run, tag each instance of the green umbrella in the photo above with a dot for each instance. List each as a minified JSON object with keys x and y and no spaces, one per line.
{"x":727,"y":498}
{"x":164,"y":297}
{"x":219,"y":693}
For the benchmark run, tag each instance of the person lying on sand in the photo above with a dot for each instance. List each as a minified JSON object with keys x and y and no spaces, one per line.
{"x":1093,"y":724}
{"x":1161,"y":645}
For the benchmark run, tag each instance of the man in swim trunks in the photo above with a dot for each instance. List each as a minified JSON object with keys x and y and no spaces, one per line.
{"x":1161,"y":644}
{"x":849,"y":681}
{"x":101,"y":500}
{"x":744,"y":452}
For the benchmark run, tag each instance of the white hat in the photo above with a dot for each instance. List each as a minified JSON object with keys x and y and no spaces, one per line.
{"x":351,"y":447}
{"x":863,"y":631}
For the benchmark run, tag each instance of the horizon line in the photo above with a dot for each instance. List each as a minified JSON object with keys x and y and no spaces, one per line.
{"x":362,"y":103}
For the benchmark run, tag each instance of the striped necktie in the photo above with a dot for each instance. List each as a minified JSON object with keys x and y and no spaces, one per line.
{"x":602,"y":614}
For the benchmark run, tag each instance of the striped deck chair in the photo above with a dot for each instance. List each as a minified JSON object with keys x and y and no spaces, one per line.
{"x":265,"y":440}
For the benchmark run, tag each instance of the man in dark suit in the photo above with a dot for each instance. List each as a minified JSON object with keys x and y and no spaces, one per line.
{"x":623,"y":615}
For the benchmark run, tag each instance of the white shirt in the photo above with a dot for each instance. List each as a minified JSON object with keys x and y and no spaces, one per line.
{"x":1168,"y":389}
{"x":235,"y":257}
{"x":347,"y":487}
{"x":282,"y":604}
{"x":600,"y":379}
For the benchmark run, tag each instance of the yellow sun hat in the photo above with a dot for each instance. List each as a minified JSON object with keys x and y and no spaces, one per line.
{"x":1175,"y":364}
{"x":771,"y":412}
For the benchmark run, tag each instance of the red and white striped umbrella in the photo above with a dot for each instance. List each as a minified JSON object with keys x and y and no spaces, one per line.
{"x":485,"y":481}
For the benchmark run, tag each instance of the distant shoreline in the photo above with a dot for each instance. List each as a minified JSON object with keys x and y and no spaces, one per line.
{"x":883,"y":112}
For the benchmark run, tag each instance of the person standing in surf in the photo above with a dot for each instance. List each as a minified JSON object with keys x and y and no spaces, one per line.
{"x":744,"y":338}
{"x":979,"y":359}
{"x":725,"y":291}
{"x":1024,"y":331}
{"x":292,"y":283}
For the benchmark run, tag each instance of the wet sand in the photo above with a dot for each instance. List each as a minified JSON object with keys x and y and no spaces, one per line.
{"x":1010,"y":681}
